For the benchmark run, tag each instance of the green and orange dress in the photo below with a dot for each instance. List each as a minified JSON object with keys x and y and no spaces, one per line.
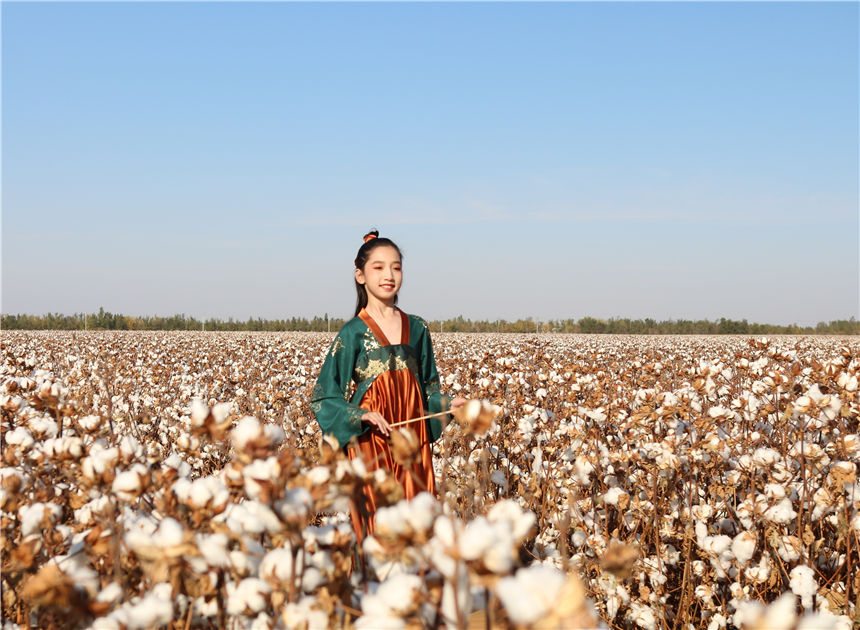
{"x":363,"y":372}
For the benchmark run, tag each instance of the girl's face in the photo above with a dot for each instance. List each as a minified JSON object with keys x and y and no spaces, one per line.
{"x":381,"y":275}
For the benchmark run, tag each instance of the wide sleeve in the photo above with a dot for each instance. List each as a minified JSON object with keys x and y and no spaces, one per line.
{"x":330,"y":403}
{"x":436,"y":402}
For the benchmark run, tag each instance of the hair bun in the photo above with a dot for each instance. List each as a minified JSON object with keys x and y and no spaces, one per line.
{"x":371,"y":235}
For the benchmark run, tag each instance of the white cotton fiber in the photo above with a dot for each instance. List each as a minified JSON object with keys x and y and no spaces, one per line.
{"x":743,"y":547}
{"x":803,"y":584}
{"x":531,"y":593}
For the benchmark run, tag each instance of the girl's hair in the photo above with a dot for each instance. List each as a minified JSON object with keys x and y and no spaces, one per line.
{"x":371,"y":242}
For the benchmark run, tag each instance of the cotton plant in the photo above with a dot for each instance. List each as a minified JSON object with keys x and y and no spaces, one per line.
{"x":689,"y":481}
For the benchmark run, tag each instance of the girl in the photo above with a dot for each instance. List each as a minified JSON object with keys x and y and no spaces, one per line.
{"x":380,"y":370}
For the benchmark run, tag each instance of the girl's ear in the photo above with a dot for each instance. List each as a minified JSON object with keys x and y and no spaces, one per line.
{"x":359,"y":276}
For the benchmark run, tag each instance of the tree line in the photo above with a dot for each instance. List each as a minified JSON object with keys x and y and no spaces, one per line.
{"x":104,"y":320}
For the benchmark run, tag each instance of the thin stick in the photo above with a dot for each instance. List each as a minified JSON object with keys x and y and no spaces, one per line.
{"x":429,"y":415}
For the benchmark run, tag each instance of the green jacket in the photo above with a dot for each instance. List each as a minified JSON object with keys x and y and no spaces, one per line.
{"x":355,"y":360}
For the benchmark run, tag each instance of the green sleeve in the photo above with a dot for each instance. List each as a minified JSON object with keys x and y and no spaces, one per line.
{"x":330,"y":399}
{"x":436,"y":402}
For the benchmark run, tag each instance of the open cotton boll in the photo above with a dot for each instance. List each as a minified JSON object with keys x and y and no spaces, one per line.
{"x":521,"y":521}
{"x":89,"y":423}
{"x":612,"y":496}
{"x":803,"y":584}
{"x":400,"y":593}
{"x":478,"y":536}
{"x":531,"y":593}
{"x":110,"y":594}
{"x":318,"y":475}
{"x":789,"y":548}
{"x":247,"y":430}
{"x":251,"y":517}
{"x":43,"y":426}
{"x":174,"y":461}
{"x":781,"y":614}
{"x":19,"y":436}
{"x":152,"y":610}
{"x":128,"y":484}
{"x":379,"y":622}
{"x":170,"y":533}
{"x":208,"y":492}
{"x":642,"y":615}
{"x":213,"y":548}
{"x":32,"y":517}
{"x":260,"y":471}
{"x":743,"y":547}
{"x":783,"y":512}
{"x":248,"y":596}
{"x":421,"y":512}
{"x":391,"y":521}
{"x":277,"y":565}
{"x":99,"y":460}
{"x":129,"y":447}
{"x":295,"y":506}
{"x":766,"y":457}
{"x":304,"y":615}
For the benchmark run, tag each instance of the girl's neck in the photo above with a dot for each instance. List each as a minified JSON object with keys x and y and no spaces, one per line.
{"x":379,"y":308}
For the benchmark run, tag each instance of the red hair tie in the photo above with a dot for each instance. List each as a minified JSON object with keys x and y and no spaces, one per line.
{"x":369,"y":238}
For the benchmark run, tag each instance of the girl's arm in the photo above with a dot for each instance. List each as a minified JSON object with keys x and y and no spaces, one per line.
{"x":330,"y":398}
{"x":436,"y":402}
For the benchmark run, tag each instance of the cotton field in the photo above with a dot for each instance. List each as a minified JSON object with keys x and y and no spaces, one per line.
{"x":177,"y":480}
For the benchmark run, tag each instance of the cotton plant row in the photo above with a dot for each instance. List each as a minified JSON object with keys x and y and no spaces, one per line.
{"x":688,"y":481}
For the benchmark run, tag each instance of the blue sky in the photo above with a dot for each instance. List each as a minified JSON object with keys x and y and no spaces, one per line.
{"x":554,"y":160}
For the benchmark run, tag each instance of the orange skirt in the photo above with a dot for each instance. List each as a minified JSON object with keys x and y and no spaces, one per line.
{"x":397,"y":397}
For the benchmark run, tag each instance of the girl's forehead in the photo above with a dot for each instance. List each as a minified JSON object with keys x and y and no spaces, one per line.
{"x":383,"y":253}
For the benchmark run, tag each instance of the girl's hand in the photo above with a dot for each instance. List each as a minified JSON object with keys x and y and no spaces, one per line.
{"x":375,"y":419}
{"x":459,"y":401}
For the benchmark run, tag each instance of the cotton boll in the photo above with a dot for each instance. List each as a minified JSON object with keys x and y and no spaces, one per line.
{"x":781,"y":513}
{"x":128,"y":484}
{"x":748,"y":614}
{"x":400,"y":593}
{"x":305,"y":615}
{"x":521,"y":521}
{"x":19,"y":436}
{"x":109,"y":594}
{"x":377,"y":622}
{"x":643,"y":616}
{"x":213,"y":548}
{"x":789,"y":548}
{"x":717,"y":621}
{"x":743,"y":547}
{"x":32,"y":517}
{"x":249,"y":595}
{"x":422,"y":510}
{"x":277,"y":565}
{"x":312,"y":579}
{"x":170,"y":533}
{"x":390,"y":521}
{"x":612,"y":496}
{"x":803,"y":584}
{"x":531,"y":593}
{"x":152,"y":610}
{"x":130,"y":448}
{"x":761,"y":572}
{"x":295,"y":506}
{"x":780,"y":615}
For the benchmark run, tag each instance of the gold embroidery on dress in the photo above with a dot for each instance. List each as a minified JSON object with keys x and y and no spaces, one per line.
{"x":337,"y":346}
{"x":370,"y":341}
{"x":375,"y":367}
